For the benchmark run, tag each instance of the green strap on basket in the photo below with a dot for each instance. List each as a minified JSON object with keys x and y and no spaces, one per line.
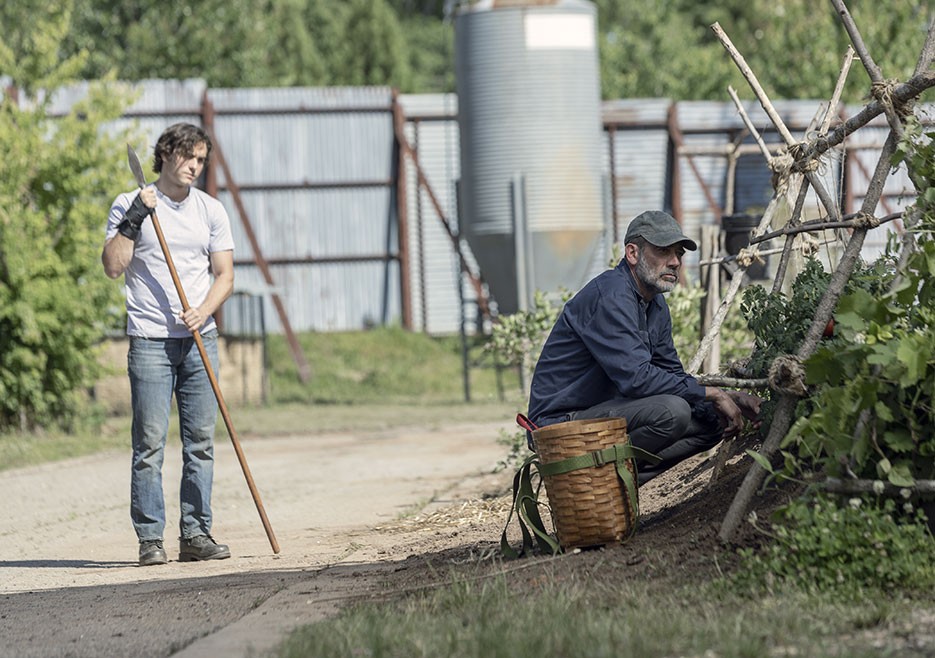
{"x":526,"y":498}
{"x":526,"y":506}
{"x":617,"y":453}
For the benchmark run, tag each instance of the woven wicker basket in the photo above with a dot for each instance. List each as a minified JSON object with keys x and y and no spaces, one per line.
{"x":590,"y":506}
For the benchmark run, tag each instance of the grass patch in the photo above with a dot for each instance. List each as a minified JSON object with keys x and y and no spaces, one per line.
{"x":18,"y":450}
{"x":362,"y":381}
{"x":594,"y":617}
{"x":296,"y":418}
{"x":385,"y":364}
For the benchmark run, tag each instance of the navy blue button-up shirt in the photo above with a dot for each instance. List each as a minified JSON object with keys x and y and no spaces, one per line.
{"x":608,"y":343}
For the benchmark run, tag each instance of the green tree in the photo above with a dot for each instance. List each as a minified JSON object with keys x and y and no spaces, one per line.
{"x":659,"y":49}
{"x":653,"y":50}
{"x":99,"y":30}
{"x":239,"y":43}
{"x":57,"y":179}
{"x":795,"y":47}
{"x":29,"y":54}
{"x":302,"y":35}
{"x":375,"y":51}
{"x":431,"y":54}
{"x":218,"y":40}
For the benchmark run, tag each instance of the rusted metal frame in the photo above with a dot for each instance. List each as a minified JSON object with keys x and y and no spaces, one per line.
{"x":423,"y":183}
{"x":323,"y":260}
{"x":883,"y":199}
{"x":308,"y":185}
{"x":676,"y":189}
{"x":677,"y":137}
{"x":724,"y":151}
{"x":402,"y":218}
{"x":211,"y":183}
{"x":207,"y":120}
{"x":429,"y":118}
{"x":732,"y":153}
{"x":848,"y":186}
{"x":621,"y":125}
{"x":298,"y":355}
{"x":423,"y":293}
{"x":625,"y":126}
{"x":612,"y":147}
{"x":302,"y":109}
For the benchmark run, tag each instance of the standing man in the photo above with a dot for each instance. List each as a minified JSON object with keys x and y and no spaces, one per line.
{"x":611,"y":355}
{"x":163,"y":358}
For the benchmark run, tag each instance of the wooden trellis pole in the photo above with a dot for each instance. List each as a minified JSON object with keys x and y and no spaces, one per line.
{"x":898,"y":97}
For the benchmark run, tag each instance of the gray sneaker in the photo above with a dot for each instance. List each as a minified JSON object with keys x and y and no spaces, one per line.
{"x":202,"y":547}
{"x":152,"y":552}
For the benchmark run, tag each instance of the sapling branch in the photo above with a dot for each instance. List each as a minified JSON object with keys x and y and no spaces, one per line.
{"x":853,"y":220}
{"x":784,"y":412}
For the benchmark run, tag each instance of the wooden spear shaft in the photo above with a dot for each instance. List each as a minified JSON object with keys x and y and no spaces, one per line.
{"x":215,"y":386}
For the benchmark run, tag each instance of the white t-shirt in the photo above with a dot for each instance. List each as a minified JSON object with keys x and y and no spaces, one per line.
{"x":193,"y":229}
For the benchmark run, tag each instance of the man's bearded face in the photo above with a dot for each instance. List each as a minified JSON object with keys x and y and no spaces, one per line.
{"x":658,"y":267}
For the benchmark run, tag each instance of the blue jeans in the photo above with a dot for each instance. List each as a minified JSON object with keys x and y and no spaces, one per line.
{"x":157,"y":368}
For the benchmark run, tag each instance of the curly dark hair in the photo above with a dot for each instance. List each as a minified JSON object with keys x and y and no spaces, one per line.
{"x":179,"y":138}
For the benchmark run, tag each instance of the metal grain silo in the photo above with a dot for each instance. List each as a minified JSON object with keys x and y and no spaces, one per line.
{"x":529,"y":116}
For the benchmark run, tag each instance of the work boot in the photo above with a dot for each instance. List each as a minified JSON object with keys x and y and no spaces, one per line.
{"x":202,"y":547}
{"x":152,"y":552}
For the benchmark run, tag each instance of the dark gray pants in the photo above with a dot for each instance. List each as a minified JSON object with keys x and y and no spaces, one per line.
{"x":665,"y":425}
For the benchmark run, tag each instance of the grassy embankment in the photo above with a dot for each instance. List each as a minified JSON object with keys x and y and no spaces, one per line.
{"x":361,"y":380}
{"x":599,"y":604}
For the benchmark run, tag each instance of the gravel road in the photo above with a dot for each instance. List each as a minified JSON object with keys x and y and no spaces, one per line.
{"x":70,"y":586}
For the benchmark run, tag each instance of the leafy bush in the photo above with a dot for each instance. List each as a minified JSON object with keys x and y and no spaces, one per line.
{"x":874,"y":414}
{"x":517,"y":339}
{"x":779,"y":323}
{"x":827,"y":544}
{"x":873,"y":410}
{"x":685,"y":306}
{"x":57,"y":180}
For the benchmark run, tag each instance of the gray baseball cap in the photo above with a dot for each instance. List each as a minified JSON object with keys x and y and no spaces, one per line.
{"x":658,"y":228}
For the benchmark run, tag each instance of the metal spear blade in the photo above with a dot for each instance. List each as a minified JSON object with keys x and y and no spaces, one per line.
{"x":135,"y":167}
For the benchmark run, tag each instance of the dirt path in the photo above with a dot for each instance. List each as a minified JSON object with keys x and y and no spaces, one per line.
{"x":69,"y":584}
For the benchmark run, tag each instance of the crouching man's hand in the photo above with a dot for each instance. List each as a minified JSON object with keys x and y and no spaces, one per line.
{"x":749,"y":406}
{"x":733,"y":407}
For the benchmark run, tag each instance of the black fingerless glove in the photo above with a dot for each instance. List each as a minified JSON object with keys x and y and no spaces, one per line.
{"x":133,"y":220}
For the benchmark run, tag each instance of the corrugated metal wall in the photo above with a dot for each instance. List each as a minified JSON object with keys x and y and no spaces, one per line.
{"x":316,"y":171}
{"x":432,"y":129}
{"x":710,"y":129}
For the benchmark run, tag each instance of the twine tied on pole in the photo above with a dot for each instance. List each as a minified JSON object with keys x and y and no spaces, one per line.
{"x":747,"y":256}
{"x":787,"y":375}
{"x":807,"y":244}
{"x":866,"y":220}
{"x":803,"y":162}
